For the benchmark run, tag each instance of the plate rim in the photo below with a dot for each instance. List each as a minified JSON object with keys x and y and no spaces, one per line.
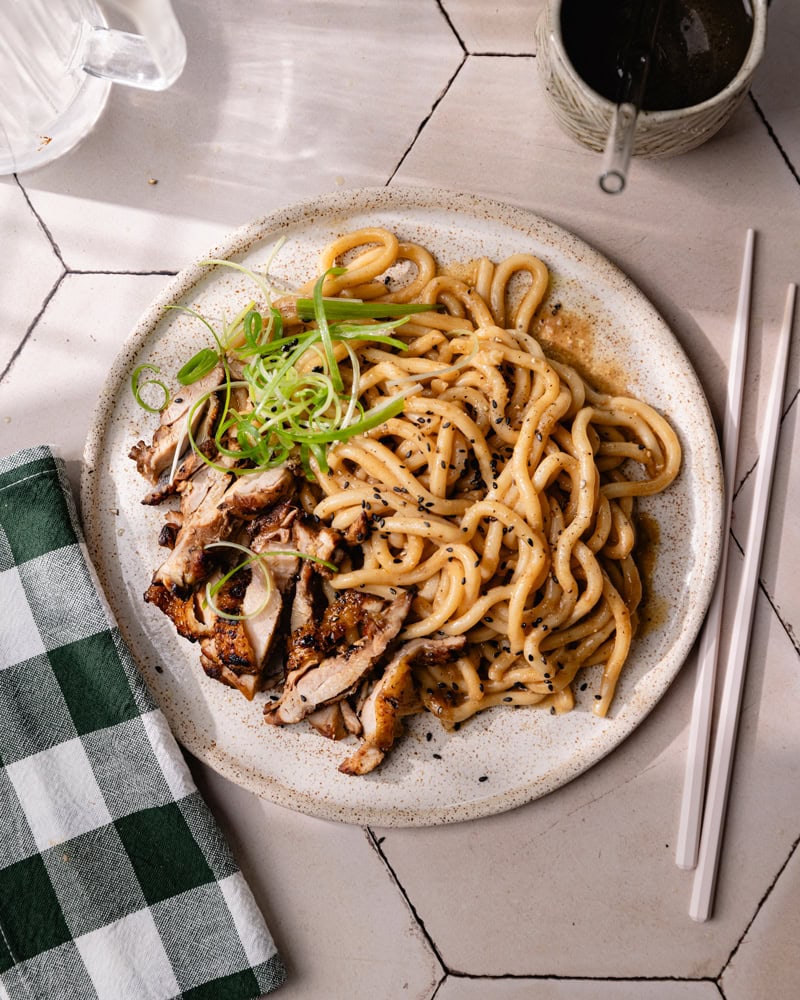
{"x":352,"y":200}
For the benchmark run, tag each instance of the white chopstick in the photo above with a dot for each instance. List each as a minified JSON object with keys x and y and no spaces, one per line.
{"x":703,"y":704}
{"x":705,"y":879}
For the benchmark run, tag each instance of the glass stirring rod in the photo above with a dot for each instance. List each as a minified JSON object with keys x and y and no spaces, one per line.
{"x":633,"y":69}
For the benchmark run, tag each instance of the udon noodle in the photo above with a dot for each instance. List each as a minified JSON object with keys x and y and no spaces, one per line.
{"x":504,"y":492}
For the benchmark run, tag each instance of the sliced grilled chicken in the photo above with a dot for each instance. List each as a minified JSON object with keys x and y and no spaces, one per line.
{"x":329,"y":721}
{"x":393,"y":696}
{"x":311,"y":643}
{"x":152,"y":459}
{"x":337,"y":676}
{"x":191,"y":463}
{"x":185,"y":612}
{"x":270,"y":532}
{"x":214,"y":508}
{"x":318,"y":540}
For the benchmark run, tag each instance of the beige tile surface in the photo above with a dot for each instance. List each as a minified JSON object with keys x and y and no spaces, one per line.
{"x":278,"y":102}
{"x":341,"y":923}
{"x":28,"y":273}
{"x":48,"y":393}
{"x":573,"y":989}
{"x":498,"y":28}
{"x":767,"y":963}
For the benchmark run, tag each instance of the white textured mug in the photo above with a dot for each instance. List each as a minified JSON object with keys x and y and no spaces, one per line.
{"x":58,"y":59}
{"x":586,"y":115}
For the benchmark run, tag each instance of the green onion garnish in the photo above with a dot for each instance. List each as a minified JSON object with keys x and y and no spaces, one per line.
{"x":337,"y":309}
{"x":197,"y":367}
{"x":137,"y":386}
{"x":324,"y":331}
{"x":302,"y":397}
{"x":260,"y":559}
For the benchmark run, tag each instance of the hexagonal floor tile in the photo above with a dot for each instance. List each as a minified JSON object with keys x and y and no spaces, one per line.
{"x":89,"y":315}
{"x":765,"y":963}
{"x":581,"y":854}
{"x":162,"y":177}
{"x":319,"y":886}
{"x":509,"y":31}
{"x":28,"y":274}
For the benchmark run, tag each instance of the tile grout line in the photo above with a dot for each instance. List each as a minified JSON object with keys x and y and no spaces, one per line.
{"x":759,"y":906}
{"x":33,"y":324}
{"x":136,"y":274}
{"x":503,"y":55}
{"x":551,"y":978}
{"x":426,"y":119}
{"x":774,"y":137}
{"x":376,"y":846}
{"x":439,"y":99}
{"x":451,"y":26}
{"x":53,"y":245}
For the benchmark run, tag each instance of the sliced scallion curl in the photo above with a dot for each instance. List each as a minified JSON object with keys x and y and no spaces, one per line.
{"x":355,"y":388}
{"x":261,"y":560}
{"x":213,"y":589}
{"x":264,"y":281}
{"x":137,"y":385}
{"x":198,"y":367}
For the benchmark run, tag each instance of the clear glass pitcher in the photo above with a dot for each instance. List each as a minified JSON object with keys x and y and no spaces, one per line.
{"x":58,"y":59}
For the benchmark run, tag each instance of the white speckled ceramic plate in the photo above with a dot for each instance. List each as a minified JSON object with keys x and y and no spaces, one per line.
{"x":501,"y":758}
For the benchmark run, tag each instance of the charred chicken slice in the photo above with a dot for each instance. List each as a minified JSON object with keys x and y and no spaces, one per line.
{"x":393,"y":696}
{"x":334,"y":677}
{"x":214,"y":509}
{"x":151,"y":460}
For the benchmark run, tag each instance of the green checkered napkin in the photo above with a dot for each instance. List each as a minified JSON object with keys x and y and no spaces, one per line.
{"x":115,"y":882}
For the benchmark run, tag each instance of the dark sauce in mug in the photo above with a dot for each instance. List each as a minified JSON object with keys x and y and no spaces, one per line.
{"x":700,"y":46}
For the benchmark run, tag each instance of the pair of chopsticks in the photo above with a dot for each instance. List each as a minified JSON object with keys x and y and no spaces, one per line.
{"x":704,"y":805}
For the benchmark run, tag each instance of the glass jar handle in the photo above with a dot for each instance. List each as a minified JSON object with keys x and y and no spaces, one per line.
{"x":151,"y":60}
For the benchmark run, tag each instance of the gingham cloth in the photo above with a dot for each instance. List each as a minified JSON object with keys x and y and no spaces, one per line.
{"x":115,"y":882}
